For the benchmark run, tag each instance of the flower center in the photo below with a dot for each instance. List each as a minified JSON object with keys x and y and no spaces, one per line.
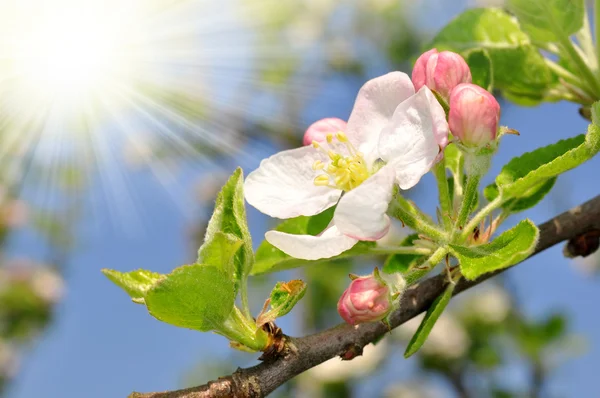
{"x":344,"y":172}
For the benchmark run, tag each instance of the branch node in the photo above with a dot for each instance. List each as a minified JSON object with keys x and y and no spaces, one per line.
{"x":351,"y":351}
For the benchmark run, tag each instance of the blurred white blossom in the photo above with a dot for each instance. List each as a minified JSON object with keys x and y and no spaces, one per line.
{"x":412,"y":390}
{"x":490,"y":302}
{"x":335,"y":369}
{"x":9,"y":360}
{"x":48,"y":285}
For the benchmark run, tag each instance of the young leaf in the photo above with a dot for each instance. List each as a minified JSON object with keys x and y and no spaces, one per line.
{"x":221,"y":251}
{"x":481,"y":68}
{"x":284,"y":297}
{"x":402,"y":262}
{"x":526,"y":199}
{"x":518,"y":67}
{"x":431,"y":317}
{"x":135,"y":283}
{"x":533,"y":168}
{"x":548,"y":20}
{"x":195,"y":296}
{"x":509,"y":248}
{"x":228,"y":230}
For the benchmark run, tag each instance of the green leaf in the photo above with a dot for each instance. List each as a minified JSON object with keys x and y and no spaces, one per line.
{"x":526,"y":199}
{"x":481,"y":68}
{"x":228,"y":230}
{"x":509,"y":248}
{"x":402,"y":262}
{"x":135,"y":283}
{"x":547,"y":20}
{"x":518,"y":67}
{"x":284,"y":297}
{"x":221,"y":251}
{"x":431,"y":317}
{"x":192,"y":296}
{"x":533,"y":168}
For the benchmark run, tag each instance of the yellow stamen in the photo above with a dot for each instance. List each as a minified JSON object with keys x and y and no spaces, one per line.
{"x":321,"y":180}
{"x":341,"y":136}
{"x":318,"y":165}
{"x":344,"y":171}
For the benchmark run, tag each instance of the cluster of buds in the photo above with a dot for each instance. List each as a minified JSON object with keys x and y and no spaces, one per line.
{"x":473,"y":119}
{"x":370,"y":298}
{"x":474,"y":112}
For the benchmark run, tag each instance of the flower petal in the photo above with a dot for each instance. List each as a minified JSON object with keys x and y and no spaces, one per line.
{"x":329,"y":243}
{"x":283,"y":186}
{"x":373,"y":109}
{"x":411,"y":142}
{"x":361,"y":212}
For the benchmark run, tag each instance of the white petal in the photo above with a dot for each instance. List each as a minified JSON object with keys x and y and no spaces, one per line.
{"x":283,"y":187}
{"x":373,"y":109}
{"x":361,"y":212}
{"x":412,"y":140}
{"x":329,"y":243}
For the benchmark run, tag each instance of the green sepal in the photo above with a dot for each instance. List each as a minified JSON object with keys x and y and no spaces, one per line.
{"x":428,"y":322}
{"x":507,"y":249}
{"x":135,"y":283}
{"x":284,"y":296}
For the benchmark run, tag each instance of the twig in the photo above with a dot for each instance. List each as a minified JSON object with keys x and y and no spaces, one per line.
{"x":346,"y":341}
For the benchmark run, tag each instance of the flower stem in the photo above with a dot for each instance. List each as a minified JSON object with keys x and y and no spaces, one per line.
{"x":563,"y":73}
{"x":483,"y":213}
{"x":412,"y":216}
{"x":597,"y":29}
{"x":584,"y":38}
{"x":244,"y":297}
{"x":433,"y":260}
{"x":467,"y":202}
{"x":439,"y":170}
{"x":401,"y":250}
{"x":573,"y":54}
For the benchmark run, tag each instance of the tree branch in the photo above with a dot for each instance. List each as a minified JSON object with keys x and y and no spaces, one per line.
{"x":346,"y":341}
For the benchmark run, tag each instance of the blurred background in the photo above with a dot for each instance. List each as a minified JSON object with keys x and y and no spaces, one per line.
{"x":120,"y":120}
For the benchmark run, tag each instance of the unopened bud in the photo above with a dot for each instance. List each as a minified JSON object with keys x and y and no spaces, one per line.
{"x":369,"y":298}
{"x":474,"y":115}
{"x":440,"y":72}
{"x":319,"y":130}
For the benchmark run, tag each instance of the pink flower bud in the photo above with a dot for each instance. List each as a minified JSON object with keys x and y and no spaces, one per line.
{"x":319,"y":129}
{"x":367,"y":299}
{"x":440,"y":72}
{"x":474,"y":115}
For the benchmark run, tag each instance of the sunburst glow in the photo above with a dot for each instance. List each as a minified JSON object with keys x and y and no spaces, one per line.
{"x":88,"y":84}
{"x":70,"y":55}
